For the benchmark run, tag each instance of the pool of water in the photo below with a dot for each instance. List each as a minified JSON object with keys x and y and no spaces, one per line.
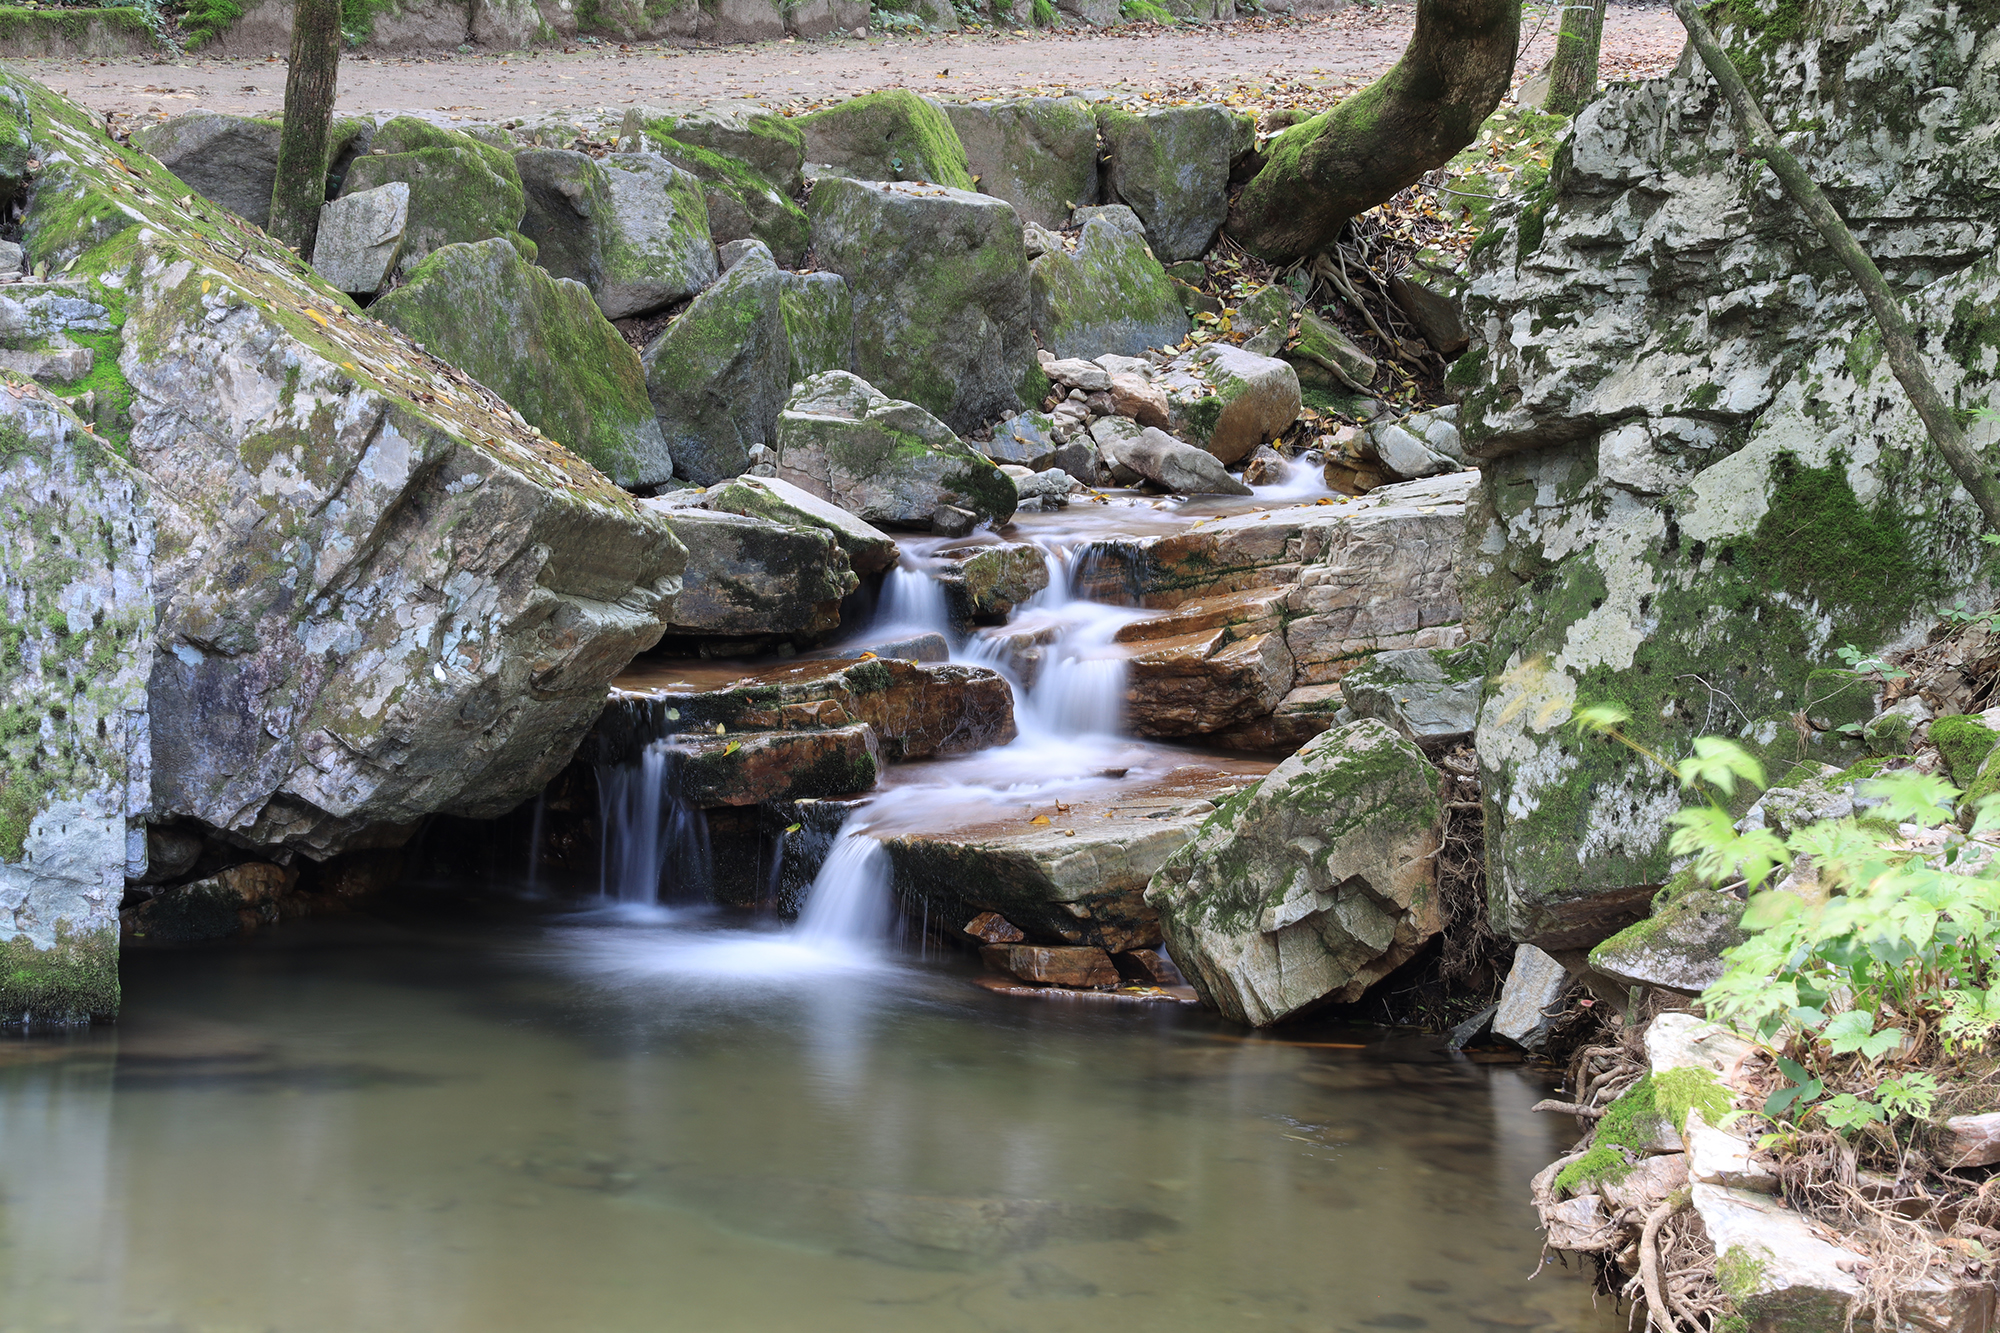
{"x":495,"y":1121}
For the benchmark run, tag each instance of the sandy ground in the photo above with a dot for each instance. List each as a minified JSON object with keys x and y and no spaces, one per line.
{"x":1262,"y":62}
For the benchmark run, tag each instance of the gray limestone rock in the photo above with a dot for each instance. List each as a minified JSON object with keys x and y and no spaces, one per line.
{"x":361,"y":237}
{"x":540,"y":343}
{"x":1171,"y":464}
{"x":939,"y":279}
{"x":228,"y":160}
{"x":1109,"y":296}
{"x":869,"y":550}
{"x":461,"y":190}
{"x":818,"y":311}
{"x":749,"y":163}
{"x":1172,"y":167}
{"x":719,"y":375}
{"x":1314,"y":884}
{"x":754,"y":581}
{"x":1228,"y":400}
{"x":632,"y":227}
{"x":1430,"y":695}
{"x":888,"y":462}
{"x":1534,"y":983}
{"x":1025,"y":439}
{"x":1037,"y":153}
{"x":1679,"y":947}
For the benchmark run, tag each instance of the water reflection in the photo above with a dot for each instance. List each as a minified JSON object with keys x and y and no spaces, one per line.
{"x":601,"y":1123}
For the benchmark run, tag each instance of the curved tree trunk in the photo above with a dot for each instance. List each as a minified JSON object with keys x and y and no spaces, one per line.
{"x":1573,"y":73}
{"x":1413,"y":119}
{"x":300,"y":189}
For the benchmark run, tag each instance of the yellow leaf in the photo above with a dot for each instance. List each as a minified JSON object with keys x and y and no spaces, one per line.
{"x":1039,"y":819}
{"x":318,"y":318}
{"x":719,"y":728}
{"x":793,"y":828}
{"x":867,"y":657}
{"x":731,"y":748}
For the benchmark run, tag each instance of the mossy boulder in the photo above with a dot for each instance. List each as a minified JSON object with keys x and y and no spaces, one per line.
{"x":1429,"y":695}
{"x":461,"y":190}
{"x":632,"y":227}
{"x":1325,"y":358}
{"x":939,"y":279}
{"x":818,"y":311}
{"x":76,"y":569}
{"x":1964,"y":743}
{"x":1679,"y":947}
{"x":1037,"y":153}
{"x":1109,"y":295}
{"x":719,"y":374}
{"x":1694,"y":493}
{"x":540,"y":343}
{"x":893,"y":135}
{"x":1312,"y":885}
{"x":888,"y":462}
{"x":749,"y":162}
{"x":869,"y":550}
{"x":1171,"y":166}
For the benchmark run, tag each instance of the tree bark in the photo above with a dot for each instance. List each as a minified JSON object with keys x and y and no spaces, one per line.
{"x":1412,"y":120}
{"x":1899,"y":343}
{"x":300,"y":188}
{"x":1573,"y":73}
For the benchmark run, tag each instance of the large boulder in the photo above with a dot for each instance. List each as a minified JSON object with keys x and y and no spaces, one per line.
{"x":1229,"y":399}
{"x":540,"y":343}
{"x":749,"y":162}
{"x":361,"y":238}
{"x":1172,"y":167}
{"x":1171,"y":464}
{"x":77,"y":540}
{"x":940,"y":285}
{"x":1697,"y":488}
{"x":751,"y":582}
{"x":228,"y":160}
{"x":368,"y":594}
{"x":1109,"y":295}
{"x":1037,"y":153}
{"x":893,"y":135}
{"x":632,"y":227}
{"x":1311,"y":886}
{"x":1429,"y":695}
{"x":869,"y":550}
{"x":889,"y":462}
{"x":461,"y":190}
{"x":720,"y":373}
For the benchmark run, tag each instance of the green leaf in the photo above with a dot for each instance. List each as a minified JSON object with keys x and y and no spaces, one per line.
{"x":1600,"y":718}
{"x":1720,"y":763}
{"x":1773,"y":907}
{"x":1922,"y":799}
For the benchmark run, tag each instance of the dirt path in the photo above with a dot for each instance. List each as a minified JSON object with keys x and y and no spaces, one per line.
{"x":1263,"y":61}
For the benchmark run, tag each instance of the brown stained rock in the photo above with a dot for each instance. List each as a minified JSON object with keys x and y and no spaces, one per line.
{"x":1205,"y":681}
{"x":1266,"y":467}
{"x":1079,"y":966}
{"x":774,"y":765}
{"x":1154,"y":965}
{"x":1300,"y":715}
{"x":1975,"y":1140}
{"x":1139,"y":398}
{"x":1255,"y":611}
{"x":992,"y":928}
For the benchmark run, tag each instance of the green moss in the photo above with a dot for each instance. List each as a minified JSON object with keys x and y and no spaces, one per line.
{"x":1635,"y":1120}
{"x":905,"y":136}
{"x":54,"y":28}
{"x":1964,"y":742}
{"x":72,"y":981}
{"x":1739,"y":1273}
{"x":206,"y":20}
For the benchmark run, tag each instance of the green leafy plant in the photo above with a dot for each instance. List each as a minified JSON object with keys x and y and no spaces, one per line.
{"x":1894,"y":961}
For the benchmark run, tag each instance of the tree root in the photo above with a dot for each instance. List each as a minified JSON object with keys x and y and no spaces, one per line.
{"x":1659,"y":1312}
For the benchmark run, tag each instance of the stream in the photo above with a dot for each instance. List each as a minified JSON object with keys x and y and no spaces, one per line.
{"x":482,"y":1107}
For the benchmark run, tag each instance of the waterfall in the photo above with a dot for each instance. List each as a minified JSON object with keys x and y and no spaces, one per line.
{"x":1080,"y":687}
{"x":649,"y":838}
{"x":849,"y":905}
{"x":912,"y":600}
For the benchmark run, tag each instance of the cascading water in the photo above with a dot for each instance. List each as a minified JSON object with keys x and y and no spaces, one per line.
{"x":912,"y":600}
{"x":849,"y":906}
{"x":1079,"y":687}
{"x":654,"y":845}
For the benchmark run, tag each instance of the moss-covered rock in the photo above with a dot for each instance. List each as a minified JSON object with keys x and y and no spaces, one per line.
{"x":1325,"y":358}
{"x":1109,"y":295}
{"x":1964,"y":743}
{"x":1171,"y":166}
{"x":893,"y":135}
{"x":1679,"y":947}
{"x":889,"y":462}
{"x":1037,"y":153}
{"x":1694,"y":492}
{"x":540,"y":343}
{"x":1313,"y":884}
{"x":869,"y":550}
{"x":749,"y":162}
{"x":719,"y":374}
{"x":632,"y":227}
{"x":461,"y":190}
{"x":1429,"y":695}
{"x":818,"y":311}
{"x":939,"y":279}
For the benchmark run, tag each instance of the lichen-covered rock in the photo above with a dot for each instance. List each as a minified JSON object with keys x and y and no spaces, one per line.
{"x":1171,"y":166}
{"x":540,"y":343}
{"x":889,"y":462}
{"x":77,"y":538}
{"x":1679,"y":947}
{"x":719,"y":374}
{"x":375,"y":595}
{"x":988,"y":582}
{"x":818,"y":312}
{"x":869,"y":550}
{"x":1026,"y":439}
{"x":1228,"y":400}
{"x":1312,"y":885}
{"x":361,"y":237}
{"x":461,"y":190}
{"x":1429,"y":695}
{"x":754,"y":582}
{"x":939,"y":279}
{"x":893,"y":135}
{"x":749,"y":162}
{"x":1696,"y":466}
{"x":632,"y":227}
{"x":1108,"y":296}
{"x":1037,"y":153}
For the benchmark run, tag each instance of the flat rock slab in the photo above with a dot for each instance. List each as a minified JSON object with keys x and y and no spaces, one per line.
{"x":715,"y":770}
{"x":1000,"y":985}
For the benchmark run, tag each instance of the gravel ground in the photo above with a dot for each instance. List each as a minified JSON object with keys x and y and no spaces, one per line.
{"x":1253,"y":62}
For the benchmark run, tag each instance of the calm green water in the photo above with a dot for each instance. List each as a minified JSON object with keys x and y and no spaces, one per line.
{"x":525,"y":1123}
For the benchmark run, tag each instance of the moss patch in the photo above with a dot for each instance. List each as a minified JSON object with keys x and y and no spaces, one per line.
{"x":73,"y":981}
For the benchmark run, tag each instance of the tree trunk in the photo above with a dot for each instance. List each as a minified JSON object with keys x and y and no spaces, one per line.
{"x":1412,"y":120}
{"x":1573,"y":73}
{"x":300,"y":189}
